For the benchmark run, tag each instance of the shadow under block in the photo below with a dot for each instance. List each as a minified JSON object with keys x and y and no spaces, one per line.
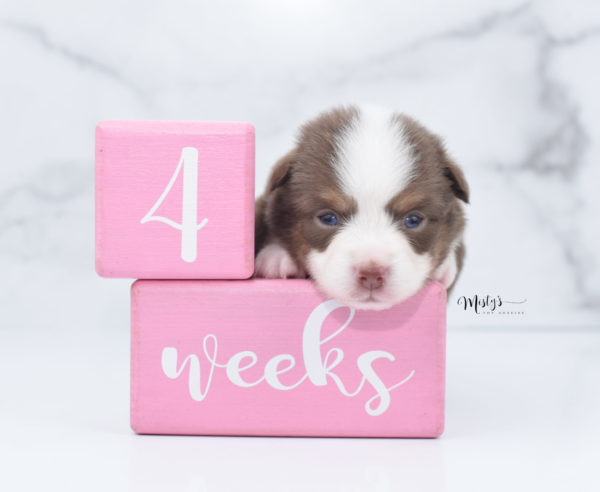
{"x":276,"y":358}
{"x":174,"y":199}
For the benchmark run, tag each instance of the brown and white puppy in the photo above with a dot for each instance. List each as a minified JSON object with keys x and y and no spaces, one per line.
{"x":368,"y":204}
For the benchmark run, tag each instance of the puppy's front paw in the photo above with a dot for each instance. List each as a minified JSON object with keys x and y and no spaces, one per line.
{"x":273,"y":261}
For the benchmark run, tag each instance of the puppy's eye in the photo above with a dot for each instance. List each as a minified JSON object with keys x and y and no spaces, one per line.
{"x":329,"y":219}
{"x":412,"y":221}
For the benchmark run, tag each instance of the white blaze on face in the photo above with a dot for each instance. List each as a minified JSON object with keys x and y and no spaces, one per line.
{"x":374,"y":163}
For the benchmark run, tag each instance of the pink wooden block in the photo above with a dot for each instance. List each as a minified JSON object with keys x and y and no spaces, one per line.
{"x":276,"y":358}
{"x":174,"y":199}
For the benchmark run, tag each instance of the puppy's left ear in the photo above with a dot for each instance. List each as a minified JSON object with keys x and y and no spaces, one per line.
{"x":458,"y":183}
{"x":282,"y":171}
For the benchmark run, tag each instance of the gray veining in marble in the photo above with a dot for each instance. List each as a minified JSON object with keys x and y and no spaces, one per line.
{"x":511,"y":86}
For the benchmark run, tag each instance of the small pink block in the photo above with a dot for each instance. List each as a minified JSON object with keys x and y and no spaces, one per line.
{"x":276,"y":358}
{"x":174,"y":199}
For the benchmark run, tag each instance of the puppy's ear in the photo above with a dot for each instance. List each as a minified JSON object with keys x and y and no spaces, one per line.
{"x":265,"y":208}
{"x":458,"y":183}
{"x":282,"y":171}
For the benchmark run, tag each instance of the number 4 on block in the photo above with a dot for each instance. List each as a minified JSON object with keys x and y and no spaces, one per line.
{"x":174,"y":199}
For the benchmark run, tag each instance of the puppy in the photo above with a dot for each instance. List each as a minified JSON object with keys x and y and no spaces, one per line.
{"x":367,"y":204}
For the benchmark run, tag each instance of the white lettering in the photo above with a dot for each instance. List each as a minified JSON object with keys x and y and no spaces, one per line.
{"x":189,"y":227}
{"x":234,"y":367}
{"x":319,"y":368}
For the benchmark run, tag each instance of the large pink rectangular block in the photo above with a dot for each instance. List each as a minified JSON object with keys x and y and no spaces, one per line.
{"x":174,"y":199}
{"x":276,"y":358}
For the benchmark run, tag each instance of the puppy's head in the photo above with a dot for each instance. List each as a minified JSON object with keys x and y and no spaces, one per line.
{"x":369,"y":204}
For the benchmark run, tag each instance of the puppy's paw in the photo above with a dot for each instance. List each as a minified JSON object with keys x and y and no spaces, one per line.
{"x":273,"y":261}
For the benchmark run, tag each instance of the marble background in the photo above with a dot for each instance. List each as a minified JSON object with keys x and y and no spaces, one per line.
{"x":511,"y":85}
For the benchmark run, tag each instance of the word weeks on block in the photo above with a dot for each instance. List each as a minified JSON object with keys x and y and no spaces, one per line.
{"x":276,"y":358}
{"x":174,"y":199}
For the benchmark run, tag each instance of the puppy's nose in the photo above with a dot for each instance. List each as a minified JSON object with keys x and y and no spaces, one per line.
{"x":372,"y":277}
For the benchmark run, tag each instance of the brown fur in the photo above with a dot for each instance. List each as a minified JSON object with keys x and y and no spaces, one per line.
{"x":303,"y":183}
{"x":434,"y":191}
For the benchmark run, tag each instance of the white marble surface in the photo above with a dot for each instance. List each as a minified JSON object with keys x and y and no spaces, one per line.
{"x":511,"y":85}
{"x":514,"y":421}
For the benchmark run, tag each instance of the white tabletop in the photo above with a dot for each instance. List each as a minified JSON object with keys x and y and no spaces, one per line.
{"x":523,"y":410}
